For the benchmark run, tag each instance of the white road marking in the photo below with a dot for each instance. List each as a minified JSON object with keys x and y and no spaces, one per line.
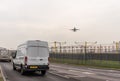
{"x":82,"y":72}
{"x":87,"y":73}
{"x":59,"y":75}
{"x":73,"y":70}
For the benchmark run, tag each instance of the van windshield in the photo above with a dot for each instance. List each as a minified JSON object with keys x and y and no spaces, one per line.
{"x":38,"y":51}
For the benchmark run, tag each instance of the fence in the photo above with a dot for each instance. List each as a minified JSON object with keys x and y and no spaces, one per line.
{"x":109,"y":57}
{"x":99,"y":59}
{"x":86,"y":53}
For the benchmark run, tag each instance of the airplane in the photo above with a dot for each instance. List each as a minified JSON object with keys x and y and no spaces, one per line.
{"x":74,"y":29}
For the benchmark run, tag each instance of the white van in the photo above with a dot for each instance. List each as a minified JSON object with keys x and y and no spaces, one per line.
{"x":32,"y":56}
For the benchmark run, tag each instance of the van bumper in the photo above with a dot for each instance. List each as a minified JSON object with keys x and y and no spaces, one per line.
{"x":39,"y":67}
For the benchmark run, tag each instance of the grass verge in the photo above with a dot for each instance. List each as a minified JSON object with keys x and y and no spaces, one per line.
{"x":1,"y":77}
{"x":93,"y":63}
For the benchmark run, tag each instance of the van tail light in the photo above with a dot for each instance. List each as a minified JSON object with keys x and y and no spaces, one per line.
{"x":25,"y":60}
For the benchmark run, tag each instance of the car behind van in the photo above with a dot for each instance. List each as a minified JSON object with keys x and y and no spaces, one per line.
{"x":5,"y":55}
{"x":32,"y":56}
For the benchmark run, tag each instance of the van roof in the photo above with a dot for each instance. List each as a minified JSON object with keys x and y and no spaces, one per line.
{"x":35,"y":43}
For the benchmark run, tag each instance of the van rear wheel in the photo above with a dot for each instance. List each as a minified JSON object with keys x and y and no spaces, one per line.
{"x":22,"y":71}
{"x":43,"y":72}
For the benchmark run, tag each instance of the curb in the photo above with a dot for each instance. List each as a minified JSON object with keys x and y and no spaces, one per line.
{"x":2,"y":74}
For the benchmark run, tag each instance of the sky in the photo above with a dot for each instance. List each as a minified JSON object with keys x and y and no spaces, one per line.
{"x":51,"y":20}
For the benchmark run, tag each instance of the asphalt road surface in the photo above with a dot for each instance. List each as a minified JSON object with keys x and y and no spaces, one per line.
{"x":61,"y":72}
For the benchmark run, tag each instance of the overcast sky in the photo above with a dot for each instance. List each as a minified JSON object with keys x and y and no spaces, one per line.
{"x":50,"y":20}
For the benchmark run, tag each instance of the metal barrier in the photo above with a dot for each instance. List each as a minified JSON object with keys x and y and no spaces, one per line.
{"x":93,"y":59}
{"x":110,"y":57}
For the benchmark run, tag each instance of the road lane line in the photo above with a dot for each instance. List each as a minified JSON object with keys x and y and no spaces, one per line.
{"x":87,"y":73}
{"x":73,"y":70}
{"x":59,"y":75}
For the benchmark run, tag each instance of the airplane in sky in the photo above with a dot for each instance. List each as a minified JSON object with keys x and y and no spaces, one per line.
{"x":74,"y":29}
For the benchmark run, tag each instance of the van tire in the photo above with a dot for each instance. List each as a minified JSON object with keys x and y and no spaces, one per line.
{"x":22,"y":71}
{"x":14,"y":68}
{"x":43,"y":72}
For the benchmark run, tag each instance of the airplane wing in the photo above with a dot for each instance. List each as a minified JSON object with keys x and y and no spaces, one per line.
{"x":77,"y":29}
{"x":72,"y":29}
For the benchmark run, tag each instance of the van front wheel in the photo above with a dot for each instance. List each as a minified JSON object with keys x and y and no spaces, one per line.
{"x":14,"y":68}
{"x":43,"y":72}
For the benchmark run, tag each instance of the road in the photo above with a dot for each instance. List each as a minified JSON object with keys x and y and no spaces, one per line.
{"x":62,"y":72}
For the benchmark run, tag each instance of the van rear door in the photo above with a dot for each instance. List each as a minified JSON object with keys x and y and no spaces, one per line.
{"x":38,"y":55}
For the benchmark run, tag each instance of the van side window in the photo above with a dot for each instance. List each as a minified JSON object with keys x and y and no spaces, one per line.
{"x":18,"y":53}
{"x":21,"y":51}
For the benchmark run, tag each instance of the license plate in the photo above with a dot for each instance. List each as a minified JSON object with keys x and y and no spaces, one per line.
{"x":33,"y":67}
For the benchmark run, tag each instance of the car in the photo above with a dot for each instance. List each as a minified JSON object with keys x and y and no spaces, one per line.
{"x":32,"y":55}
{"x":5,"y":55}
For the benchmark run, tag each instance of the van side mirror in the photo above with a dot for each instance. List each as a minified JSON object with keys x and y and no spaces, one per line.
{"x":14,"y":54}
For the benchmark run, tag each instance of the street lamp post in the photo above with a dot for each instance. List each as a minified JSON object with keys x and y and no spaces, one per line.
{"x":55,"y":47}
{"x":100,"y":49}
{"x":60,"y":44}
{"x":117,"y":46}
{"x":85,"y":48}
{"x":85,"y":45}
